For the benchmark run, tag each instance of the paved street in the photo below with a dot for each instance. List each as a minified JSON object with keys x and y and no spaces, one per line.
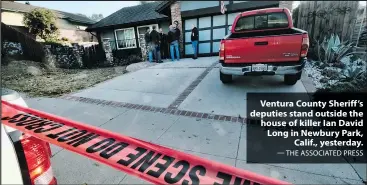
{"x":191,"y":89}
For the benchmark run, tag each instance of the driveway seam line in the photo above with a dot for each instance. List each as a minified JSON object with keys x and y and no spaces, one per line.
{"x":238,"y":146}
{"x":175,"y":104}
{"x":122,"y":179}
{"x":178,"y":112}
{"x":168,"y":128}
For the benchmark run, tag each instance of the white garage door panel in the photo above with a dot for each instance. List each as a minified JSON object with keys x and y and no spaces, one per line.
{"x":231,"y":18}
{"x":189,"y":22}
{"x":204,"y":35}
{"x":204,"y":48}
{"x":188,"y":36}
{"x":205,"y":22}
{"x":188,"y":49}
{"x":219,"y":20}
{"x":216,"y":47}
{"x":219,"y":33}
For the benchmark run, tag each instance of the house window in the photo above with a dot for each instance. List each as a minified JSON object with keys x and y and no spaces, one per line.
{"x":143,"y":29}
{"x":125,"y":38}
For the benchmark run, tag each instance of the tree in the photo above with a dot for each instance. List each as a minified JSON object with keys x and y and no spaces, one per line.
{"x":42,"y":23}
{"x":96,"y":17}
{"x":27,"y":3}
{"x":82,"y":14}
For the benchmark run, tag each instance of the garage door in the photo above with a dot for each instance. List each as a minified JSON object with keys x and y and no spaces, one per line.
{"x":211,"y":30}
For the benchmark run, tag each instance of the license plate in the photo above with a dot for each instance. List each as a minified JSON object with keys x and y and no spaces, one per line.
{"x":259,"y":67}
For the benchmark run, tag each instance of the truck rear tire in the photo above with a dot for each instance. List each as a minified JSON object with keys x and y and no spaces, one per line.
{"x":225,"y":78}
{"x":292,"y":79}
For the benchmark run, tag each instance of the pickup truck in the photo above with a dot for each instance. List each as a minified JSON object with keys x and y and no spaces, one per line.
{"x":264,"y":42}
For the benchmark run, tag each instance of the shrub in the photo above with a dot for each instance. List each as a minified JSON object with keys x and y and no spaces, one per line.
{"x":41,"y":22}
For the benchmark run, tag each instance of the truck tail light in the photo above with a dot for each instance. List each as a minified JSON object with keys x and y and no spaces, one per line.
{"x":305,"y":45}
{"x":221,"y":50}
{"x":38,"y":153}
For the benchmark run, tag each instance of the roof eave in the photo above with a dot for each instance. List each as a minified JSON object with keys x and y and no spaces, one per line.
{"x":88,"y":29}
{"x":161,"y":8}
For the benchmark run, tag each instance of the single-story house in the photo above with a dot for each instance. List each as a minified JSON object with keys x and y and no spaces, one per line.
{"x":126,"y":27}
{"x":71,"y":26}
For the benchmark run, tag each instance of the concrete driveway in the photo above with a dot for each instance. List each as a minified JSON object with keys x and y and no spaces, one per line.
{"x":184,"y":106}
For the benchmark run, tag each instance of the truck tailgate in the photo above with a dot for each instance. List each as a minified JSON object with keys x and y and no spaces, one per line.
{"x":278,"y":48}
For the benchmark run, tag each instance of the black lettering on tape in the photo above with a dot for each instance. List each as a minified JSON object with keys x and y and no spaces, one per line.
{"x":238,"y":181}
{"x":74,"y":135}
{"x":38,"y":125}
{"x":185,"y":167}
{"x":53,"y":136}
{"x":83,"y":139}
{"x":30,"y":121}
{"x":147,"y":161}
{"x":53,"y":127}
{"x":193,"y":176}
{"x":225,"y":177}
{"x":97,"y":146}
{"x":161,"y":167}
{"x":107,"y":153}
{"x":13,"y":118}
{"x":132,"y":157}
{"x":25,"y":118}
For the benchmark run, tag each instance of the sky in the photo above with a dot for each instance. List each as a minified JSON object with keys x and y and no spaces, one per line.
{"x":104,"y":7}
{"x":84,"y":7}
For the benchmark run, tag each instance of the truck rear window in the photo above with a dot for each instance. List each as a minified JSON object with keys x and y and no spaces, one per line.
{"x":264,"y":21}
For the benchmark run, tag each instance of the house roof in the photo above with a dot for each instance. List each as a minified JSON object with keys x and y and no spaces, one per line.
{"x":164,"y":4}
{"x":128,"y":15}
{"x":20,"y":7}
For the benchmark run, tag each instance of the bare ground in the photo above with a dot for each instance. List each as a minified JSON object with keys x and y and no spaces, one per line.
{"x":35,"y":80}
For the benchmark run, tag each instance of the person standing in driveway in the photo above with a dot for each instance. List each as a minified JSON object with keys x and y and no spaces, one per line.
{"x":173,"y":40}
{"x":147,"y":45}
{"x":155,"y":39}
{"x":194,"y":40}
{"x":163,"y":44}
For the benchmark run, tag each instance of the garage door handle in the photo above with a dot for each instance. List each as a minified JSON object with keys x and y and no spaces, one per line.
{"x":261,"y":43}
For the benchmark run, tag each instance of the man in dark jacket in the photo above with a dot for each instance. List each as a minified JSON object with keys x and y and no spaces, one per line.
{"x":173,"y":42}
{"x":194,"y":40}
{"x":155,"y":39}
{"x":177,"y":32}
{"x":163,"y":44}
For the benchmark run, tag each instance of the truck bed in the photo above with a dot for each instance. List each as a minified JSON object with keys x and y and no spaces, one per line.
{"x":291,"y":31}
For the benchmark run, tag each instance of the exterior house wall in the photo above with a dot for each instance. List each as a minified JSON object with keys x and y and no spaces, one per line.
{"x":12,"y":18}
{"x":165,"y":26}
{"x":67,"y":29}
{"x":110,"y":35}
{"x":194,"y":5}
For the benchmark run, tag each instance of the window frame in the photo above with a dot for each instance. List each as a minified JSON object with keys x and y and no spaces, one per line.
{"x":116,"y":40}
{"x":148,"y":25}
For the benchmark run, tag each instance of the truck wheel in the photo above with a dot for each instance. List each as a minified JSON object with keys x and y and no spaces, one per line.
{"x":292,"y":79}
{"x":225,"y":78}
